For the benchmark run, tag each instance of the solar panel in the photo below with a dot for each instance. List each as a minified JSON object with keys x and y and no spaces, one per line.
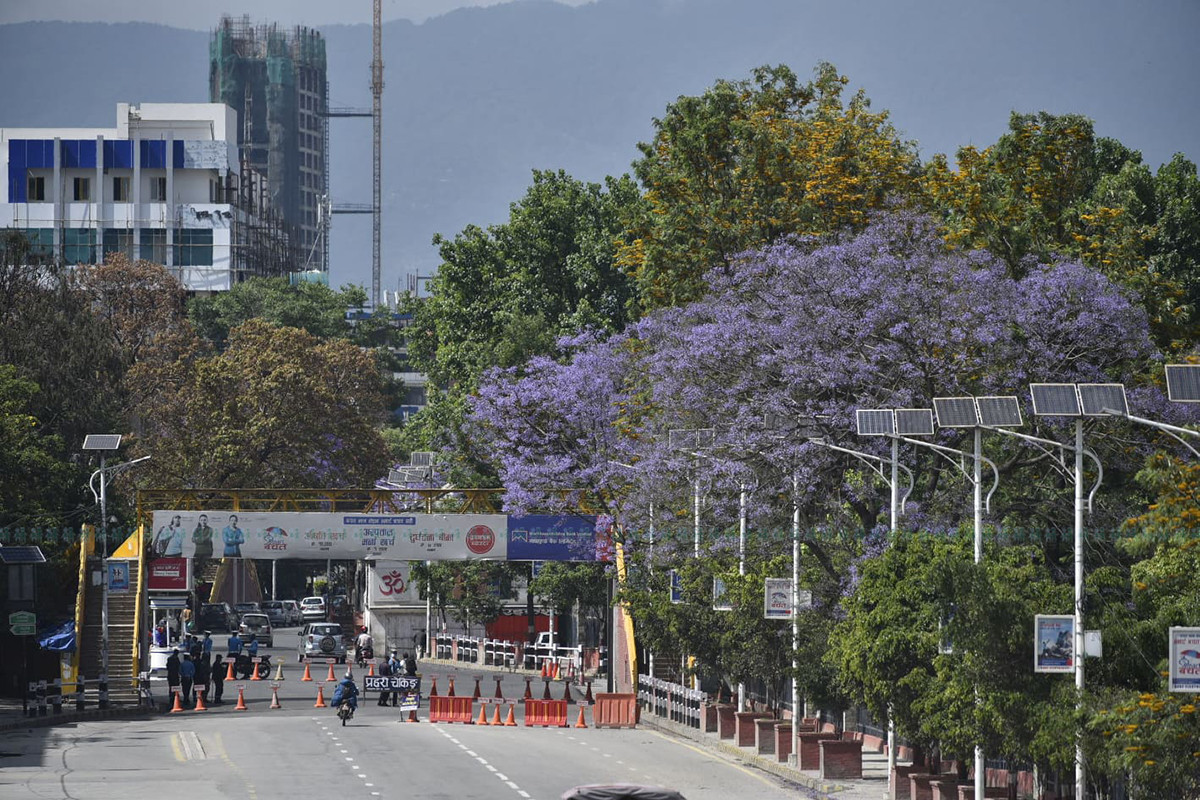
{"x":395,"y":476}
{"x":914,"y":421}
{"x":999,"y":412}
{"x":1183,"y":383}
{"x":22,"y":554}
{"x":422,"y":458}
{"x":1096,"y":397}
{"x":102,"y":441}
{"x":1055,"y":399}
{"x":875,"y":421}
{"x":956,"y":412}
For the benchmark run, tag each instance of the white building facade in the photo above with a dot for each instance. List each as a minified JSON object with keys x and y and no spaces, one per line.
{"x":166,"y":185}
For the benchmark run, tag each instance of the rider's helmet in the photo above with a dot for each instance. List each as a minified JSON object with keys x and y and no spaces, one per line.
{"x":364,"y":629}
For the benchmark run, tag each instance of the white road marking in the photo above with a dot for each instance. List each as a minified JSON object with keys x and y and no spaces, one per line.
{"x":472,"y":753}
{"x":490,"y":768}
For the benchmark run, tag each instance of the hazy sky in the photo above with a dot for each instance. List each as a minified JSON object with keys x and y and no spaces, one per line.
{"x":201,"y":16}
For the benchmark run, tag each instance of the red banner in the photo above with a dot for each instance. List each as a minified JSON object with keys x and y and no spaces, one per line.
{"x":167,"y":575}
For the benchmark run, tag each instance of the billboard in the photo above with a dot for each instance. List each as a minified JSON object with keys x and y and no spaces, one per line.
{"x":777,"y":598}
{"x":557,"y":537}
{"x":390,"y":583}
{"x":1054,"y":643}
{"x":167,"y":575}
{"x":1185,"y":659}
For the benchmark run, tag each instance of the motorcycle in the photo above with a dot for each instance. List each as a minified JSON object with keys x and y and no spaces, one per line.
{"x":243,"y":667}
{"x":362,"y":655}
{"x":345,"y":711}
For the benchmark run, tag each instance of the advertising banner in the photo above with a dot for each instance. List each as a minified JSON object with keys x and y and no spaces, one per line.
{"x":676,"y":584}
{"x":118,"y":577}
{"x":777,"y":598}
{"x":1185,"y":659}
{"x":167,"y":575}
{"x":1054,"y":643}
{"x":303,"y":534}
{"x":389,"y":583}
{"x":538,"y":537}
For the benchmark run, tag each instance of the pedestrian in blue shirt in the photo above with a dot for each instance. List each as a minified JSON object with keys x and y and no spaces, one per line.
{"x":235,"y":645}
{"x":187,"y":675}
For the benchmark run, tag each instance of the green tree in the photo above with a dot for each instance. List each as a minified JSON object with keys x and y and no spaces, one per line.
{"x":278,"y":408}
{"x":472,"y":592}
{"x":312,"y":307}
{"x":750,"y":161}
{"x":35,"y":476}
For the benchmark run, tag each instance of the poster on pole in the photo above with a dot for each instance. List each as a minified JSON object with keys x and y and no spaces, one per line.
{"x":721,"y":600}
{"x":676,"y":587}
{"x":1185,"y":660}
{"x":777,"y":598}
{"x":1054,"y":643}
{"x":118,"y":577}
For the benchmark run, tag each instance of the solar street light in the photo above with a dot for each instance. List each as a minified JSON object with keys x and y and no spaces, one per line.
{"x":1183,"y":383}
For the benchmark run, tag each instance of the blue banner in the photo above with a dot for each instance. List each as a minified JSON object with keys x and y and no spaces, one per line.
{"x":560,"y":537}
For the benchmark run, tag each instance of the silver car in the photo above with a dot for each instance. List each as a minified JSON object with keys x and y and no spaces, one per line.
{"x":320,"y":640}
{"x":260,"y":626}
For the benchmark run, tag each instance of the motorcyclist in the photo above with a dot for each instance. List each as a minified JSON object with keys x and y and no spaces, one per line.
{"x":364,"y":645}
{"x":346,"y":692}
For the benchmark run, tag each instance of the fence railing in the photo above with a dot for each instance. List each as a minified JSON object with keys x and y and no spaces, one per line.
{"x":570,"y":661}
{"x":671,"y":701}
{"x":46,"y":698}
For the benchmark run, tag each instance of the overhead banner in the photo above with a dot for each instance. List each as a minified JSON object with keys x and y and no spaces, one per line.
{"x":1185,"y":660}
{"x":387,"y":537}
{"x":1054,"y":643}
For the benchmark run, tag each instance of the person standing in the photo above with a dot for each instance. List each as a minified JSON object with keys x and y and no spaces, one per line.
{"x":173,"y":671}
{"x":410,"y":666}
{"x":385,"y":671}
{"x":187,"y":677}
{"x":233,"y":538}
{"x":397,"y":668}
{"x":202,"y":539}
{"x":235,"y":645}
{"x":218,"y":678}
{"x":203,"y":675}
{"x":206,"y":645}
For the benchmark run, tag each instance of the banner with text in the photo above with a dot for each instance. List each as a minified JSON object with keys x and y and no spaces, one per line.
{"x":1185,"y":660}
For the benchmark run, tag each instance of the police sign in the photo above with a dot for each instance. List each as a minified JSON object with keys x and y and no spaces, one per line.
{"x":392,"y":683}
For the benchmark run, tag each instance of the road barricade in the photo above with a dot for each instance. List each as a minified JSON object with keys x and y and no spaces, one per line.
{"x":614,"y":710}
{"x":443,"y":708}
{"x":546,"y":713}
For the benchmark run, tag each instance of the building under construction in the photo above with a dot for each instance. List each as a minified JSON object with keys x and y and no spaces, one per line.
{"x":275,"y":80}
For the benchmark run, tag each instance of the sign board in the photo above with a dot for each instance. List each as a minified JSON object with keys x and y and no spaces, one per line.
{"x":676,"y":587}
{"x":22,"y":618}
{"x":720,"y":599}
{"x":1184,"y":657}
{"x":1054,"y":643}
{"x":777,"y":598}
{"x":167,"y":575}
{"x":557,"y":537}
{"x":118,"y":577}
{"x":392,"y":683}
{"x":390,"y":583}
{"x":410,"y":701}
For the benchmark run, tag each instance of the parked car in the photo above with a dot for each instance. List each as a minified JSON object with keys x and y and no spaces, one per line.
{"x":313,"y":608}
{"x":322,"y":640}
{"x":217,"y":617}
{"x":293,"y":612}
{"x":276,"y":611}
{"x":241,"y":609}
{"x":260,"y":626}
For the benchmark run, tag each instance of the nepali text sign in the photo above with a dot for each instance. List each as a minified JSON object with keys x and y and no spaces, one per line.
{"x":777,"y":598}
{"x":545,"y":537}
{"x":1054,"y":643}
{"x":167,"y":575}
{"x":1185,"y":660}
{"x":392,"y":683}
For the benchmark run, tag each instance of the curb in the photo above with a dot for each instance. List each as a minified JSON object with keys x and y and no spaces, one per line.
{"x":823,"y":789}
{"x":66,"y":718}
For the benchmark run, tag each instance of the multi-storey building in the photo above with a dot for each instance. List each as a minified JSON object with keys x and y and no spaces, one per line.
{"x":166,"y":185}
{"x":276,"y":81}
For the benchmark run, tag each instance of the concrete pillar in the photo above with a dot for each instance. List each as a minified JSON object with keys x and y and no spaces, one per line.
{"x":57,"y":191}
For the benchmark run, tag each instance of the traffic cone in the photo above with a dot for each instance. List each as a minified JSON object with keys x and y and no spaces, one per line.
{"x":229,"y":672}
{"x":307,"y":674}
{"x":320,"y":697}
{"x":509,"y":722}
{"x":241,"y":703}
{"x":567,"y":692}
{"x":275,"y":697}
{"x":556,"y":675}
{"x":545,"y":664}
{"x":412,"y":715}
{"x":279,"y":672}
{"x":371,"y":669}
{"x":579,"y":723}
{"x":528,"y":691}
{"x":433,"y":689}
{"x":496,"y":717}
{"x":200,"y":701}
{"x":450,"y":691}
{"x":477,"y":693}
{"x":178,"y":705}
{"x":482,"y":716}
{"x":546,"y":693}
{"x":331,"y":678}
{"x":499,"y":694}
{"x":254,"y":671}
{"x":349,"y":670}
{"x":588,"y":696}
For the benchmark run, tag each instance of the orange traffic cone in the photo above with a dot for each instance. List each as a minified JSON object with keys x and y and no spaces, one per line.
{"x":509,"y":722}
{"x":229,"y":672}
{"x":499,"y":694}
{"x":412,"y":715}
{"x":450,"y":692}
{"x":200,"y":701}
{"x":307,"y":674}
{"x":349,"y":670}
{"x":178,"y":705}
{"x":588,"y":697}
{"x":433,"y":689}
{"x":555,"y":675}
{"x":331,"y":678}
{"x":496,"y":717}
{"x":254,"y":671}
{"x":528,"y":691}
{"x":477,"y":693}
{"x":275,"y":697}
{"x":546,"y":693}
{"x":279,"y":672}
{"x":579,"y":723}
{"x":545,"y":665}
{"x":371,"y":670}
{"x":241,"y":703}
{"x":320,"y":697}
{"x":567,"y":692}
{"x":482,"y":716}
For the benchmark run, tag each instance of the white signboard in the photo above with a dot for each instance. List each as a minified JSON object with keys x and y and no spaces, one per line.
{"x":299,"y":534}
{"x":720,"y":598}
{"x":1054,"y":643}
{"x":1185,"y":660}
{"x":390,"y":583}
{"x":777,"y":598}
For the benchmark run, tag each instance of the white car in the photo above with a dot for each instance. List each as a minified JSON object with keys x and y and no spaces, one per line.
{"x":312,"y":609}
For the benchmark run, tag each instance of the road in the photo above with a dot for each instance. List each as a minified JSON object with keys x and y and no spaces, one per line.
{"x":300,"y":750}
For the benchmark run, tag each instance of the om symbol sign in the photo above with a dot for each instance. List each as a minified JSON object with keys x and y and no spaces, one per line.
{"x":393,"y":583}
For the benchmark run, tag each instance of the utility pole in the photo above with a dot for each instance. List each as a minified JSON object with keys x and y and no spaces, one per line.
{"x":377,"y":145}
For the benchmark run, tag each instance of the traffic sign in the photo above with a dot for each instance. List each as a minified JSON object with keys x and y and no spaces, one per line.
{"x":22,"y":630}
{"x":23,"y":618}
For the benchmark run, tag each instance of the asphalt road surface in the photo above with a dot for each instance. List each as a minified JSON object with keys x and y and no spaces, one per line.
{"x":301,"y":751}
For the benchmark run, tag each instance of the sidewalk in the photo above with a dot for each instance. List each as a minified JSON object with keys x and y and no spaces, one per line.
{"x":872,"y":786}
{"x":13,"y":716}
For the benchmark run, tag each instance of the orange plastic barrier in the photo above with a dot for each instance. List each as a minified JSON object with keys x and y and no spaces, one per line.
{"x":615,"y":710}
{"x":452,"y":709}
{"x":546,"y":713}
